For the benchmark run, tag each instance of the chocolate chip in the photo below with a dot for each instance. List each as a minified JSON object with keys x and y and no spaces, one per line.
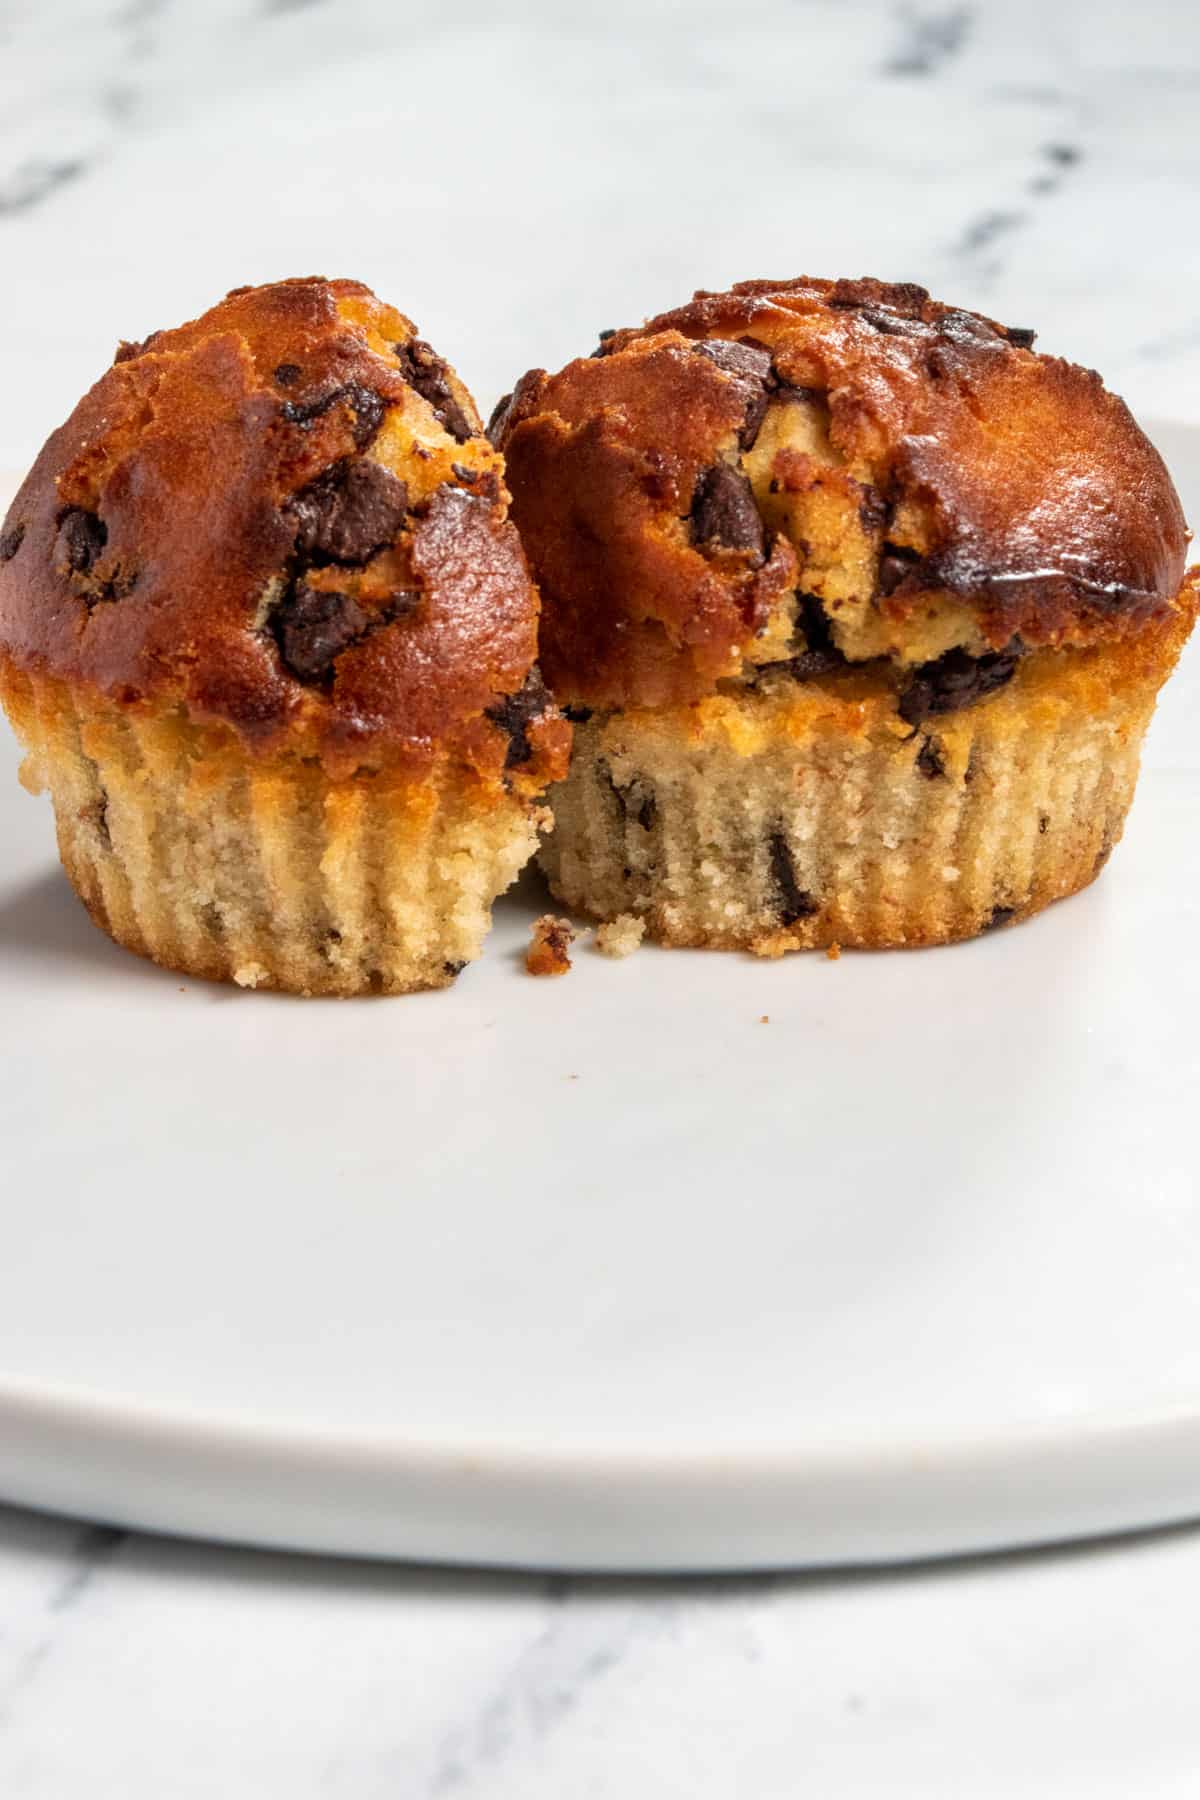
{"x":635,"y":800}
{"x":873,"y":509}
{"x":578,"y":715}
{"x":605,"y":343}
{"x":794,"y":902}
{"x":903,"y":298}
{"x":367,"y":406}
{"x":516,"y":713}
{"x":499,"y":418}
{"x":643,"y":803}
{"x":953,"y":681}
{"x":465,"y":473}
{"x":287,"y":374}
{"x":735,"y":358}
{"x":929,"y":759}
{"x":453,"y":968}
{"x":724,"y":512}
{"x":820,"y":654}
{"x":1043,"y":823}
{"x":11,"y":539}
{"x":896,"y":564}
{"x":349,"y":513}
{"x":428,"y":375}
{"x":890,"y":324}
{"x":312,"y":628}
{"x":81,"y":536}
{"x":750,"y":365}
{"x":1022,"y":336}
{"x":609,"y":332}
{"x":999,"y":915}
{"x":786,"y":394}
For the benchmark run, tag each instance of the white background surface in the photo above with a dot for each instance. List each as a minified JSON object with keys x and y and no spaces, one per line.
{"x":516,"y":180}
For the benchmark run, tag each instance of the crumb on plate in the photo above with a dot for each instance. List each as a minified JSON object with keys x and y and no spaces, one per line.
{"x":550,"y":940}
{"x":620,"y":936}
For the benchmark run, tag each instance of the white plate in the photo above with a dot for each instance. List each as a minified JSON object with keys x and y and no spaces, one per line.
{"x":605,"y":1272}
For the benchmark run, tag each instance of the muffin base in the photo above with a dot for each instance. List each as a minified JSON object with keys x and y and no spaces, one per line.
{"x":803,"y":815}
{"x":264,"y":871}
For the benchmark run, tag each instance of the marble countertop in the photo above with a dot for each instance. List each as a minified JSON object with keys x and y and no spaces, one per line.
{"x":516,"y":178}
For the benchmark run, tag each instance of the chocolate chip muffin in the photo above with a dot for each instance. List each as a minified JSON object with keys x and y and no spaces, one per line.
{"x":269,"y":639}
{"x":861,"y":607}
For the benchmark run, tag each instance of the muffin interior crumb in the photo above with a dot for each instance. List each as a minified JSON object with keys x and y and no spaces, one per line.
{"x":620,"y":936}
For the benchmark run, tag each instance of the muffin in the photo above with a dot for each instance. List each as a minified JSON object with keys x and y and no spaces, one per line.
{"x":269,"y":639}
{"x":860,"y":606}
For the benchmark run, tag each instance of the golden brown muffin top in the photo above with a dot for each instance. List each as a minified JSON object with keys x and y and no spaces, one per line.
{"x":284,"y":517}
{"x":820,"y":469}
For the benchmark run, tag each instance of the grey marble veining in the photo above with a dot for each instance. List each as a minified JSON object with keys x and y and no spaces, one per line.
{"x":517,"y":177}
{"x":133,"y":1666}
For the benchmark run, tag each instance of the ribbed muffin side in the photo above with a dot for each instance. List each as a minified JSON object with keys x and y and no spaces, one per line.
{"x":265,"y":871}
{"x":796,"y":820}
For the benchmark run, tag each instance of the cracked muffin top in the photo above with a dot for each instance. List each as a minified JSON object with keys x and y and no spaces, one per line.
{"x":800,"y":473}
{"x":285,"y":518}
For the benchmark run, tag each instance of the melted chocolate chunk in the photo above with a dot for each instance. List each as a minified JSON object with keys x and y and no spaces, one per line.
{"x":516,"y":713}
{"x":820,"y":654}
{"x":465,"y":472}
{"x":604,"y":343}
{"x":287,"y":374}
{"x":312,"y":629}
{"x":428,"y":375}
{"x":636,"y":800}
{"x":929,"y":760}
{"x":453,"y":968}
{"x":891,"y":324}
{"x":1021,"y":336}
{"x":750,"y":365}
{"x":367,"y":406}
{"x":81,"y":536}
{"x":999,"y":915}
{"x":348,"y":514}
{"x":11,"y":540}
{"x":904,"y":298}
{"x":896,"y":564}
{"x":794,"y":902}
{"x":873,"y":509}
{"x":786,"y":394}
{"x":735,"y":358}
{"x":641,"y":794}
{"x":578,"y":715}
{"x":724,"y":513}
{"x":953,"y":681}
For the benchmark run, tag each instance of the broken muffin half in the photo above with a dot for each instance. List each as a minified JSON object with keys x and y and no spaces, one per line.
{"x":861,"y":608}
{"x":269,"y":639}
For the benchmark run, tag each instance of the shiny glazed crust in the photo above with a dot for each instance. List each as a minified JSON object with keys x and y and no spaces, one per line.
{"x":917,"y":468}
{"x":283,"y":518}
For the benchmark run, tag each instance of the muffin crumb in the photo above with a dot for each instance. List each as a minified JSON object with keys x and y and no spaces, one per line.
{"x":250,"y":975}
{"x":550,"y":940}
{"x":620,"y":936}
{"x":834,"y":952}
